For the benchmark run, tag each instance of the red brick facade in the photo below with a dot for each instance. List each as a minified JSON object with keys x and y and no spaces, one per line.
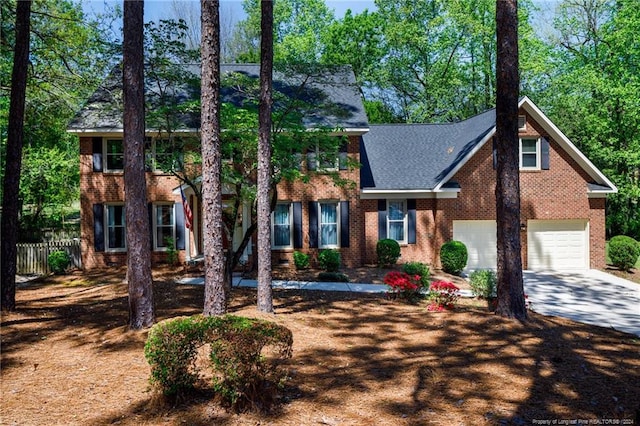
{"x":557,"y":193}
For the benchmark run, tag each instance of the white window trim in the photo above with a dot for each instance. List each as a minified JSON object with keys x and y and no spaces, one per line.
{"x":319,"y":165}
{"x":538,"y":154}
{"x":328,"y":246}
{"x":154,"y":215}
{"x":404,"y":220}
{"x":106,"y":230}
{"x":153,"y":155}
{"x":290,"y":245}
{"x":105,"y":155}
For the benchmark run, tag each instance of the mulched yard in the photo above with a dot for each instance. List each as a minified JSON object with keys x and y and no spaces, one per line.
{"x":69,"y":359}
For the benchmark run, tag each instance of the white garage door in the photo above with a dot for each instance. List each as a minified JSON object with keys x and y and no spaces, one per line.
{"x":480,"y":238}
{"x":558,"y":244}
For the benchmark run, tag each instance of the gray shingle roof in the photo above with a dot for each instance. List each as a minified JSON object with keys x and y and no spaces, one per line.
{"x":329,"y":95}
{"x":419,"y":156}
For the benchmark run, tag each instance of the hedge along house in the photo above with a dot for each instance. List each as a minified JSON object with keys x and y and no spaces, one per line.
{"x":308,"y":216}
{"x":420,"y":184}
{"x":425,"y":184}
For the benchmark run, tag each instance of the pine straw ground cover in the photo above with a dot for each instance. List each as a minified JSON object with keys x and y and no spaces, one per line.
{"x":68,"y":359}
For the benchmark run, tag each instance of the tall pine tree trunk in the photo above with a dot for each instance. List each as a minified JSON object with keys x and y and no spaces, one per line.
{"x":15,"y":137}
{"x":265,"y":297}
{"x":510,"y":283}
{"x":141,"y":312}
{"x":215,"y":297}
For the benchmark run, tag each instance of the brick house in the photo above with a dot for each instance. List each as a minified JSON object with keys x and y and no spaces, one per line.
{"x":421,"y":184}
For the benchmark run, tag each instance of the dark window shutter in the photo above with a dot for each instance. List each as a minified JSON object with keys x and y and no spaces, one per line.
{"x":544,"y":153}
{"x":297,"y":225}
{"x":382,"y":219}
{"x":411,"y":221}
{"x":180,"y":234}
{"x":97,"y":154}
{"x":313,"y":224}
{"x":151,"y":230}
{"x":312,"y":164}
{"x":98,"y":227}
{"x":344,"y":224}
{"x":494,"y":152}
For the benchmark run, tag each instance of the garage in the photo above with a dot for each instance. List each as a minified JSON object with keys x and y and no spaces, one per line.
{"x":557,"y":244}
{"x":480,"y":238}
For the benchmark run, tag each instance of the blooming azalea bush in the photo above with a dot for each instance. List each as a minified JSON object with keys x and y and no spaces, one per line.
{"x":403,"y":285}
{"x":443,"y":295}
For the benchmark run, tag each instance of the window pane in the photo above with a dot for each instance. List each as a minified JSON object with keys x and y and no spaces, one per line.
{"x":115,"y":158}
{"x":529,"y":160}
{"x":164,"y":215}
{"x":282,"y":225}
{"x":396,"y":210}
{"x":329,"y":224}
{"x":115,"y":227}
{"x":396,"y":231}
{"x":529,"y":145}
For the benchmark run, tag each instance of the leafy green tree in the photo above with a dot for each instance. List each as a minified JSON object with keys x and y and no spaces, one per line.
{"x":592,"y":96}
{"x":297,"y":31}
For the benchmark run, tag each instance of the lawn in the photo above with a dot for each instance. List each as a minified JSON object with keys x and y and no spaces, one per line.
{"x":68,"y":358}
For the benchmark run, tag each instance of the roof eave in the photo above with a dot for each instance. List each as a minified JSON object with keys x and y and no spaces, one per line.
{"x":374,"y":194}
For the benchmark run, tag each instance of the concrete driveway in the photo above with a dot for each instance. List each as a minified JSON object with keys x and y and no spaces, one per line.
{"x":591,"y":297}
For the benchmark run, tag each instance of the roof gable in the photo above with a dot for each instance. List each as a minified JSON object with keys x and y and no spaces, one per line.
{"x":424,"y":158}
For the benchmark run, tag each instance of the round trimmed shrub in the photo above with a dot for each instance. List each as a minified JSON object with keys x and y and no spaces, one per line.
{"x":453,"y":257}
{"x":624,"y":252}
{"x":300,"y":260}
{"x":329,"y":260}
{"x":59,"y":261}
{"x":388,"y":252}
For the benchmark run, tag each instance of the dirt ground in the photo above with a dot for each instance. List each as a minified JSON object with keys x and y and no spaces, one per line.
{"x":69,"y":359}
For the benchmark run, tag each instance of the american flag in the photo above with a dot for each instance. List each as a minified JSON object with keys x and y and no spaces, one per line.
{"x":188,"y":215}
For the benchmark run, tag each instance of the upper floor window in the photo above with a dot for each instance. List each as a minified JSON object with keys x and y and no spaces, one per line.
{"x":163,"y":226}
{"x":115,"y":235}
{"x":164,"y":154}
{"x":114,"y":155}
{"x":530,"y":154}
{"x":397,"y":220}
{"x":282,"y":226}
{"x":329,"y":162}
{"x":522,"y":123}
{"x":329,"y":224}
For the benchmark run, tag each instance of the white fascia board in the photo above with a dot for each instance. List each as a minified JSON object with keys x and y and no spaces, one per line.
{"x":400,"y":194}
{"x":573,"y":151}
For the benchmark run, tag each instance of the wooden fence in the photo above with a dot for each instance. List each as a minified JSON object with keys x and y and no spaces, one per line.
{"x":33,"y":257}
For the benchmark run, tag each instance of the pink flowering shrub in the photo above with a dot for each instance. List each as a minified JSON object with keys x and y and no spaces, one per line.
{"x":443,"y":295}
{"x":403,"y":285}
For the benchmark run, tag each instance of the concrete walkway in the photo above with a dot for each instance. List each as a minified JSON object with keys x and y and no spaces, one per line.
{"x":591,"y":297}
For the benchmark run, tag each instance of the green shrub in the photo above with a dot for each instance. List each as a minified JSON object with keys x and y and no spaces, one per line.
{"x":329,"y":260}
{"x":388,"y":252}
{"x":300,"y":260}
{"x":333,"y":277}
{"x":246,"y":357}
{"x":624,"y":252}
{"x":172,"y":252}
{"x":418,"y":268}
{"x":59,"y":261}
{"x":483,"y":283}
{"x":453,"y":257}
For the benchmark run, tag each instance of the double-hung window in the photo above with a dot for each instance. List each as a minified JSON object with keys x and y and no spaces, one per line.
{"x":115,"y":235}
{"x":329,"y":224}
{"x":530,"y":154}
{"x":164,"y":154}
{"x":164,"y":226}
{"x":114,"y":155}
{"x":397,"y":220}
{"x":282,"y":226}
